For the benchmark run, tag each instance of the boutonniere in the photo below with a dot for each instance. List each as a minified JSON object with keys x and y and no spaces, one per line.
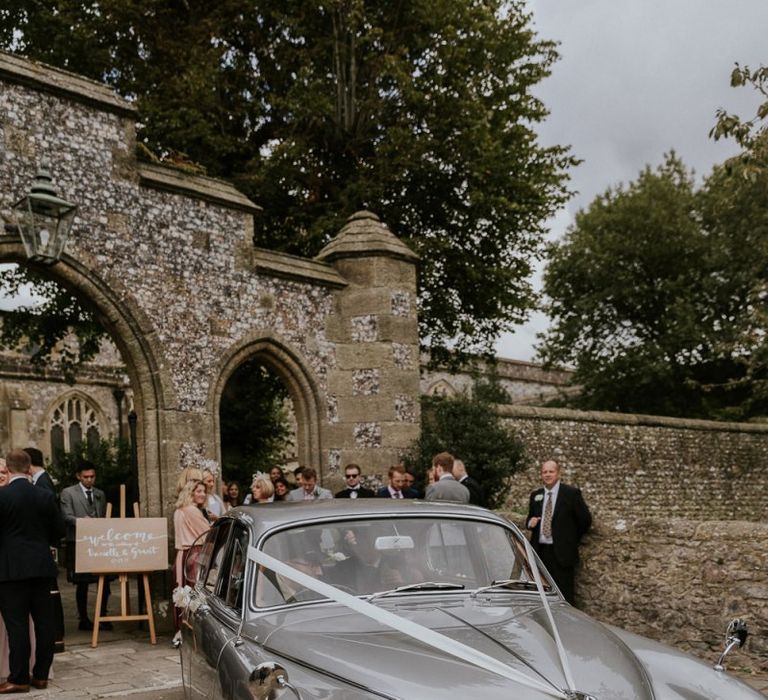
{"x":538,"y":497}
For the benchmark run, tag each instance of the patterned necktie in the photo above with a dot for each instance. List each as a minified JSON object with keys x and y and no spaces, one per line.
{"x":89,"y":496}
{"x":546,"y":527}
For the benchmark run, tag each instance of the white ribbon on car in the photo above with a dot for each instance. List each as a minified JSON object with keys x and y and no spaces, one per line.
{"x":412,"y":629}
{"x":558,"y":642}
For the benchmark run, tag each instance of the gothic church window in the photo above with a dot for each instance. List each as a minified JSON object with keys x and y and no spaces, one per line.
{"x":73,"y":420}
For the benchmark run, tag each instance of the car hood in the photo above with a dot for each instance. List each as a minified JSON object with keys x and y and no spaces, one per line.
{"x":511,"y":629}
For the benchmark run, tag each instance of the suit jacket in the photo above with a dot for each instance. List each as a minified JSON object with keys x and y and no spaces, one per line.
{"x":570,"y":521}
{"x":383,"y":492}
{"x":298,"y":494}
{"x":447,"y":489}
{"x":362,"y":492}
{"x":30,"y":524}
{"x":75,"y":505}
{"x":45,"y":481}
{"x":476,"y":495}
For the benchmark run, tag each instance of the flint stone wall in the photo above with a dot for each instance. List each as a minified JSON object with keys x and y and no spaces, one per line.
{"x":680,"y":582}
{"x":634,"y":466}
{"x":679,"y":544}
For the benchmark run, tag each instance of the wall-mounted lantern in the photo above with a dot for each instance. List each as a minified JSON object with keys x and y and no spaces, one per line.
{"x":44,"y":220}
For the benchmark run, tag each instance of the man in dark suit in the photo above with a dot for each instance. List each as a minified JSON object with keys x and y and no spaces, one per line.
{"x":397,"y":487}
{"x":558,"y":518}
{"x":476,"y":496}
{"x":354,"y":488}
{"x":83,"y":500}
{"x":30,"y":524}
{"x":42,"y":478}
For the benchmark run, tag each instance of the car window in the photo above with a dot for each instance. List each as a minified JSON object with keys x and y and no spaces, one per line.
{"x":233,"y":574}
{"x":213,"y":554}
{"x":365,"y":557}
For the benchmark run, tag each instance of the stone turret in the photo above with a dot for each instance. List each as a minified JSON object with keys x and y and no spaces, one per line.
{"x":373,"y":392}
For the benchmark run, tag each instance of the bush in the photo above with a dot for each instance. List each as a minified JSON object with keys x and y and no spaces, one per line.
{"x":470,"y":429}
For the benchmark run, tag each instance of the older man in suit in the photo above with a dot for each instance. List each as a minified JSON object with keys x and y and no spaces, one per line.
{"x":445,"y":486}
{"x":83,"y":500}
{"x":558,"y":518}
{"x":30,"y":524}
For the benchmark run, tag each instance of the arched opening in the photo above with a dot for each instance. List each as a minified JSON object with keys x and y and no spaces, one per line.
{"x":130,"y":407}
{"x":263,"y":363}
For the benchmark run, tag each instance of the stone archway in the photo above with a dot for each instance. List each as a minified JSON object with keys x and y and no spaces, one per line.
{"x":278,"y":356}
{"x":124,"y":321}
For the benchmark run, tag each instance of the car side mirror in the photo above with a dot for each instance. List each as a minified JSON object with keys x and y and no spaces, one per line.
{"x":268,"y":681}
{"x":735,"y":635}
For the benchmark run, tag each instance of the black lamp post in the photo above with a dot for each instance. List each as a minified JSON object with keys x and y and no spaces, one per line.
{"x":44,"y":220}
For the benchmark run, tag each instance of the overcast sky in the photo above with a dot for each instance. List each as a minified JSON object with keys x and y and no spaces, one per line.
{"x":637,"y":78}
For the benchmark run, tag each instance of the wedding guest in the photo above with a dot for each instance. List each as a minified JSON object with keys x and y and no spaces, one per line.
{"x":234,"y":498}
{"x":190,"y":520}
{"x":30,"y":523}
{"x":186,"y":475}
{"x":282,"y":487}
{"x":262,"y":490}
{"x":214,"y":506}
{"x":83,"y":500}
{"x":275,"y":474}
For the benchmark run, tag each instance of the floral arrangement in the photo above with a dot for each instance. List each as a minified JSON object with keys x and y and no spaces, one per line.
{"x":182,"y":596}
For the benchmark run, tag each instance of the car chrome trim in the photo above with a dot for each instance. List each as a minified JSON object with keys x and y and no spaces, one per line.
{"x":412,"y":629}
{"x":562,"y":656}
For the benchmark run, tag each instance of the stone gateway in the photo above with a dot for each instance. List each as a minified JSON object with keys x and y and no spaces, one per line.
{"x":168,"y":262}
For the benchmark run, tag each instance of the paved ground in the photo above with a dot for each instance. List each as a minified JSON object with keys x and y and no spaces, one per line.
{"x":125,"y":664}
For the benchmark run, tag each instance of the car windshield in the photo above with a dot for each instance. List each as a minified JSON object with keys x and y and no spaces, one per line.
{"x":370,"y":557}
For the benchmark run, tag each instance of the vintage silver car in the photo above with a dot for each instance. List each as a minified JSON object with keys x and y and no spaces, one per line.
{"x":369,"y":598}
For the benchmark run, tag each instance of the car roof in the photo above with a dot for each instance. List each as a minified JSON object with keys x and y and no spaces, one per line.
{"x":266,"y":516}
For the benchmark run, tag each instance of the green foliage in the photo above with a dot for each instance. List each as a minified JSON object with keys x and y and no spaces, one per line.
{"x":255,"y":430}
{"x":651,"y":290}
{"x":750,"y":134}
{"x":113,"y":468}
{"x":40,"y":329}
{"x":422,"y":112}
{"x":471,"y":430}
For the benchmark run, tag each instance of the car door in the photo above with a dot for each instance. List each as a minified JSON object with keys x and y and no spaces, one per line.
{"x":203,"y":637}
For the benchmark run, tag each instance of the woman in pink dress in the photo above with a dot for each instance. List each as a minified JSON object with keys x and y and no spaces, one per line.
{"x":190,"y":520}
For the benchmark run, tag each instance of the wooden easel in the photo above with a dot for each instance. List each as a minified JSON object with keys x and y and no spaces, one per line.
{"x":125,"y":601}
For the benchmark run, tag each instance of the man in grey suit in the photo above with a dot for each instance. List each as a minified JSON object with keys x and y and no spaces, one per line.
{"x":83,"y":500}
{"x":309,"y":490}
{"x":445,"y":488}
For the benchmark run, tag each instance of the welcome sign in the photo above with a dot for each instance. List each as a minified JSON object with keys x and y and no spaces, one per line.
{"x":119,"y":545}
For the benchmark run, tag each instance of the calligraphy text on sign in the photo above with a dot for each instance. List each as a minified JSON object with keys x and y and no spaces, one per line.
{"x":117,"y":545}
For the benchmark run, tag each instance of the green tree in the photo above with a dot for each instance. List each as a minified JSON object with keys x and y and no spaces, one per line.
{"x":470,"y":429}
{"x":420,"y":111}
{"x":649,"y":292}
{"x":751,"y":134}
{"x":40,"y":329}
{"x":255,"y":428}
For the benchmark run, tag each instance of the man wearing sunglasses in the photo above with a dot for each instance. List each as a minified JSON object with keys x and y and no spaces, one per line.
{"x":354,"y":489}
